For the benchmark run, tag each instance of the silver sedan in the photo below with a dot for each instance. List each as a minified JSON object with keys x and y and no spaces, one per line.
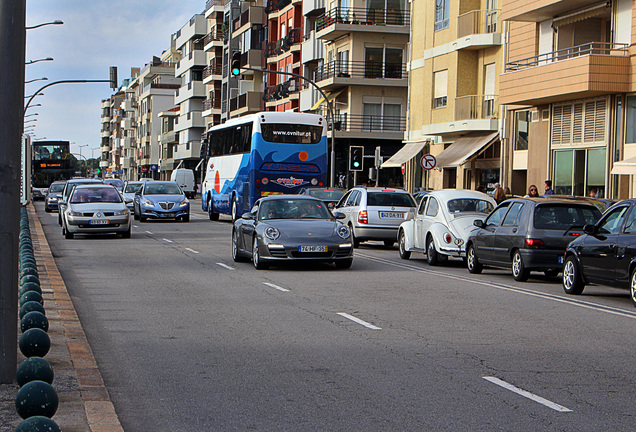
{"x":95,"y":209}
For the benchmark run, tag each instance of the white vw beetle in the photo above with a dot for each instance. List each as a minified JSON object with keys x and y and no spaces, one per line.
{"x":442,"y":224}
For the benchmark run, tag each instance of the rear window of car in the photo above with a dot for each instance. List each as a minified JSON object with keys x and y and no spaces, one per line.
{"x":390,"y":199}
{"x":563,"y":217}
{"x":469,"y":205}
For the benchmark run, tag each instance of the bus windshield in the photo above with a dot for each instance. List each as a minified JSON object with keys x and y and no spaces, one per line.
{"x":291,"y":133}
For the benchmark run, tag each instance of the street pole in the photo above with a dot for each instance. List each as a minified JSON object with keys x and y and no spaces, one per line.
{"x":12,"y":51}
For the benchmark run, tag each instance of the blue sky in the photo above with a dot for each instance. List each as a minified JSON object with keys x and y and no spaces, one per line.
{"x":96,"y":34}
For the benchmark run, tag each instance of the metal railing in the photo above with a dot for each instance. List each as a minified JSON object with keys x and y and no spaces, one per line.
{"x":210,"y":3}
{"x":214,"y":35}
{"x":370,"y":123}
{"x":477,"y":22}
{"x":477,"y":107}
{"x":283,"y":44}
{"x":368,"y":69}
{"x":591,"y":48}
{"x":215,"y":68}
{"x":359,"y":16}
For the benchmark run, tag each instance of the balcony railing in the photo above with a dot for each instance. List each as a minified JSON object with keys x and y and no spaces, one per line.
{"x":477,"y":22}
{"x":370,"y":123}
{"x":214,"y":35}
{"x":592,"y":48}
{"x":210,"y":3}
{"x":283,"y":44}
{"x":215,"y":68}
{"x":271,"y":6}
{"x":368,"y":69}
{"x":281,"y":91}
{"x":359,"y":16}
{"x":476,"y":107}
{"x":160,"y":86}
{"x":214,"y":103}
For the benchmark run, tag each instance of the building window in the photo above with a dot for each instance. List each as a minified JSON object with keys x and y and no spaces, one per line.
{"x":442,"y":13}
{"x":577,"y":172}
{"x":522,"y":121}
{"x":440,"y":90}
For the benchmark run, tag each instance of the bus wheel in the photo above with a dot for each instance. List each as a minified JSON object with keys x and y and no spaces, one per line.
{"x":211,"y":215}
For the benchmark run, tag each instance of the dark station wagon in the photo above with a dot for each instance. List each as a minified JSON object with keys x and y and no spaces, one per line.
{"x":528,"y":234}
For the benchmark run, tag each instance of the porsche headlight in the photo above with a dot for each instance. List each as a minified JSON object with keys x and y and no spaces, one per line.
{"x":343,"y":232}
{"x":272,"y":233}
{"x":148,"y":203}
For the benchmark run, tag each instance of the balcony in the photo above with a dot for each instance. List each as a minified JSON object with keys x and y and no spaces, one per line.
{"x":281,"y":46}
{"x":189,"y":120}
{"x":129,"y":142}
{"x":127,"y":162}
{"x":312,"y":48}
{"x":213,"y":71}
{"x":169,"y":137}
{"x":195,"y":58}
{"x":385,"y":74}
{"x":213,"y":7}
{"x":540,"y":10}
{"x":371,"y":126}
{"x":195,"y":28}
{"x":212,"y":105}
{"x":130,"y":105}
{"x":470,"y":113}
{"x":249,"y":102}
{"x":478,"y":29}
{"x":340,"y":21}
{"x":129,"y":123}
{"x":105,"y":133}
{"x":212,"y":39}
{"x":583,"y":71}
{"x":194,"y":89}
{"x":249,"y":18}
{"x":251,"y":59}
{"x":313,"y":7}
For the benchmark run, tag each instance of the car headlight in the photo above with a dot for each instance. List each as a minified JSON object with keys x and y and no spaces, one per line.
{"x":272,"y":233}
{"x":75,"y":213}
{"x":52,"y":198}
{"x":184,"y":203}
{"x":343,"y":232}
{"x":120,"y":213}
{"x":148,"y":203}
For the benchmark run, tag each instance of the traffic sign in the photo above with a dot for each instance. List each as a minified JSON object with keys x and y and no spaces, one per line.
{"x":428,"y":162}
{"x":403,"y":168}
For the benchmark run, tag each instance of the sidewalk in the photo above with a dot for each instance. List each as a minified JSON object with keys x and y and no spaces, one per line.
{"x":84,"y":401}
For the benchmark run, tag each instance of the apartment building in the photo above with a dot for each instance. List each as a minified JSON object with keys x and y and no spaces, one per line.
{"x":190,"y":125}
{"x":104,"y":145}
{"x":568,"y":87}
{"x":356,"y":53}
{"x":213,"y":45}
{"x":127,"y":144}
{"x":168,"y":142}
{"x":455,"y":62}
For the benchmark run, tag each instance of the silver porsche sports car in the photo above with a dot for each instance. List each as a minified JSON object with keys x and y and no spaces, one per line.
{"x":285,"y":228}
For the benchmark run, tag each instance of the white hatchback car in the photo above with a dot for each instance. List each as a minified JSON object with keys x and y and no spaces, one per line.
{"x":443,"y":221}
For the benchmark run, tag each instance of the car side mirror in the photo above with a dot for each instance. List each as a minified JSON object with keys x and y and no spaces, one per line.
{"x":478,"y":223}
{"x":339,"y":215}
{"x":589,"y":229}
{"x":249,"y":216}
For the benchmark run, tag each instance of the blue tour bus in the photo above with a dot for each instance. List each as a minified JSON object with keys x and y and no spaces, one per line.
{"x":261,"y":154}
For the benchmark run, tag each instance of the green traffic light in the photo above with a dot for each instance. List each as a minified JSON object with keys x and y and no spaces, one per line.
{"x":236,"y":71}
{"x":356,"y":164}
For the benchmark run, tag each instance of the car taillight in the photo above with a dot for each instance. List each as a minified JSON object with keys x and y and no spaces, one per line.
{"x":363,"y":218}
{"x":534,"y":242}
{"x":447,"y":237}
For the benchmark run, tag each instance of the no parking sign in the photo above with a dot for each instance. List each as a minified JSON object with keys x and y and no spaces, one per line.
{"x":428,"y":162}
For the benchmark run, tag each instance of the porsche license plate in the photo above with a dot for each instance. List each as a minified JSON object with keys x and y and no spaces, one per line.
{"x":392,"y":215}
{"x":98,"y":222}
{"x":312,"y":248}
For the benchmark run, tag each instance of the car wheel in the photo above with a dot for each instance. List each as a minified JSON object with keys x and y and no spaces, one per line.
{"x":135,"y":215}
{"x":185,"y":218}
{"x":572,"y":279}
{"x":67,"y":234}
{"x":472,"y":263}
{"x":354,"y":240}
{"x":404,"y":254}
{"x":388,"y":243}
{"x":236,"y":254}
{"x":519,"y":271}
{"x":46,"y":209}
{"x":551,"y":273}
{"x":344,"y":264}
{"x":211,"y":215}
{"x":256,"y":257}
{"x":141,"y":218}
{"x":126,"y":234}
{"x":432,"y":256}
{"x":632,"y":288}
{"x":59,"y":219}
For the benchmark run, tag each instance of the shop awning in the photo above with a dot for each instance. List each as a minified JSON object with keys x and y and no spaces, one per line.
{"x":405,"y":154}
{"x":581,"y":15}
{"x":464,"y":148}
{"x":627,"y":166}
{"x":330,"y":97}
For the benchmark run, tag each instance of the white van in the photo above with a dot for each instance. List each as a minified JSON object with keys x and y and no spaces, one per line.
{"x":185,"y":178}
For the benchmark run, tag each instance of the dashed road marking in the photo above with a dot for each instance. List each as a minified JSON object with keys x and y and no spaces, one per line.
{"x":225,"y":266}
{"x":149,"y":232}
{"x":166,"y":240}
{"x":276,"y":287}
{"x":527,"y":394}
{"x":192,"y":250}
{"x":359,"y":321}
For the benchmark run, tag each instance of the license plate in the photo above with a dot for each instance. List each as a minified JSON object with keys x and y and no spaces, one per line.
{"x":561,"y":260}
{"x":98,"y":222}
{"x":166,"y":214}
{"x":392,"y":215}
{"x":312,"y":248}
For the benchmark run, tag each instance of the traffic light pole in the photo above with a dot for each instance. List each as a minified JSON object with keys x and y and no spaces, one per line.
{"x":332,"y":154}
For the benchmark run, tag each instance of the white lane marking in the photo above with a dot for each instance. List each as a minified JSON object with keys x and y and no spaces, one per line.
{"x":149,"y":232}
{"x":510,"y":288}
{"x":527,"y":394}
{"x":276,"y":287}
{"x":135,"y":226}
{"x":192,"y":250}
{"x":224,"y":265}
{"x":169,"y":241}
{"x":359,"y":321}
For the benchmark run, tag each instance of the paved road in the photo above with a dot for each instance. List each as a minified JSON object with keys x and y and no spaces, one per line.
{"x":188,"y":340}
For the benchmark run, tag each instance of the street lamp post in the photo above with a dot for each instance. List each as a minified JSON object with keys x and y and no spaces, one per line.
{"x":38,"y":60}
{"x":56,"y":22}
{"x":37,"y":79}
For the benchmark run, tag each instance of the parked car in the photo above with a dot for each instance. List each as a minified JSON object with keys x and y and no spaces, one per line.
{"x":376,"y":213}
{"x":53,"y":196}
{"x":329,"y":196}
{"x":420,"y":194}
{"x":443,"y":221}
{"x":602,"y":203}
{"x":130,"y":188}
{"x":161,"y":200}
{"x":528,"y":234}
{"x":68,"y":188}
{"x":185,"y":179}
{"x":93,"y":209}
{"x":605,"y":254}
{"x":118,"y":183}
{"x":286,"y":228}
